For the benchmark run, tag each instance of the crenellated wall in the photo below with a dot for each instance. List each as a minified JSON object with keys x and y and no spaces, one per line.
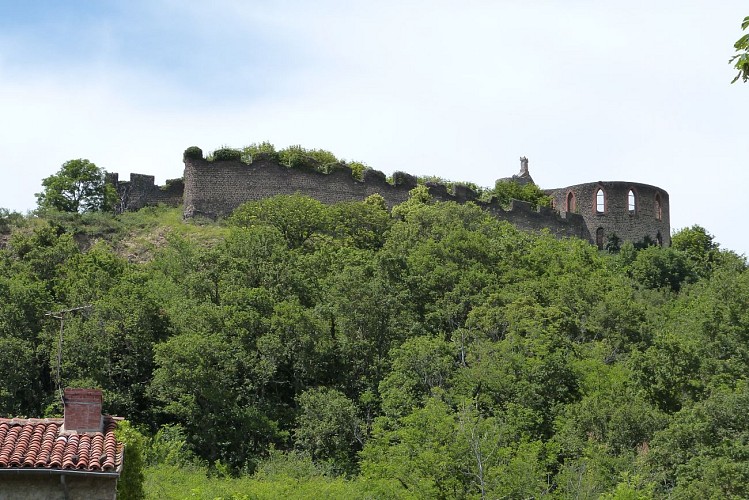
{"x":215,"y":188}
{"x":141,"y":191}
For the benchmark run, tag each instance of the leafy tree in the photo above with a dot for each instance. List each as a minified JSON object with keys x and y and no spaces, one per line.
{"x":657,"y":267}
{"x":504,"y":191}
{"x":368,"y":314}
{"x":198,"y":385}
{"x":297,"y":217}
{"x":328,"y":427}
{"x":703,"y":453}
{"x":417,"y":197}
{"x":357,"y":169}
{"x":420,"y":365}
{"x":363,"y":224}
{"x":420,"y":453}
{"x":700,"y":248}
{"x":79,"y":186}
{"x":112,"y":345}
{"x":613,"y":243}
{"x":169,"y":447}
{"x":741,"y":60}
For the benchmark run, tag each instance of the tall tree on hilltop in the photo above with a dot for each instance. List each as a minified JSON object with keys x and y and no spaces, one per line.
{"x":79,"y":186}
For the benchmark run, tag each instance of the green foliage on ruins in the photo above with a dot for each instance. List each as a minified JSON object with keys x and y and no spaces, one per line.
{"x":226,"y":154}
{"x":294,"y":156}
{"x":302,"y":350}
{"x":506,"y":191}
{"x":194,"y":153}
{"x":482,"y":193}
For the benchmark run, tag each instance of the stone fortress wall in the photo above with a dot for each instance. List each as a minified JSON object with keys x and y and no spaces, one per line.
{"x":215,"y":188}
{"x":141,"y":191}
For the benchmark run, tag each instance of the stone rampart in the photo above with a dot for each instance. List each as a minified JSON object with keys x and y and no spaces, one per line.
{"x":141,"y":191}
{"x":592,"y":211}
{"x":215,"y":189}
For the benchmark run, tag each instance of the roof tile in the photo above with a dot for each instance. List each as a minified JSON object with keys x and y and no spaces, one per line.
{"x":40,"y":443}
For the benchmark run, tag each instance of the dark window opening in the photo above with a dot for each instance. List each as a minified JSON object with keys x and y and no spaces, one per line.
{"x":599,"y":238}
{"x":571,"y":205}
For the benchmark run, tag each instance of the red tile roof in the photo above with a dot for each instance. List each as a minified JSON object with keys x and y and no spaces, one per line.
{"x":41,"y":443}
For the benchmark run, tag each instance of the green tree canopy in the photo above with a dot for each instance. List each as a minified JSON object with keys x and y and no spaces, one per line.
{"x":504,"y":191}
{"x":79,"y":186}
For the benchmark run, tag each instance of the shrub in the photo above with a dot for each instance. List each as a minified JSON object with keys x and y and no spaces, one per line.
{"x":404,"y":179}
{"x":193,"y":153}
{"x":130,"y":484}
{"x":258,"y":151}
{"x":504,"y":191}
{"x":9,"y":219}
{"x":357,"y":169}
{"x":227,"y":154}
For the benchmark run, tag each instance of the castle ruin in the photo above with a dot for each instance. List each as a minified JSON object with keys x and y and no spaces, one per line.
{"x":592,"y":211}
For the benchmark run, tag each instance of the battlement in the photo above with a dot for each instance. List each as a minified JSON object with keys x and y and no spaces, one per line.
{"x":592,"y":211}
{"x":141,"y":190}
{"x":215,"y":189}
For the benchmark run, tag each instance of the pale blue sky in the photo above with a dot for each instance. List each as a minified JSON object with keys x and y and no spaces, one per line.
{"x":588,"y":90}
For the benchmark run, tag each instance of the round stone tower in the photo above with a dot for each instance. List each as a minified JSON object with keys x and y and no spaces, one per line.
{"x":631,"y":211}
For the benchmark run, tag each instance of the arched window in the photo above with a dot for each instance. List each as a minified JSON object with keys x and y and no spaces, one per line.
{"x":658,"y":207}
{"x":631,"y":202}
{"x":599,"y":238}
{"x":659,"y":239}
{"x":600,"y":201}
{"x":571,"y":205}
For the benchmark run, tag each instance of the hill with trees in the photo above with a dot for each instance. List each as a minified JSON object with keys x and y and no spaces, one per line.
{"x":430,"y":351}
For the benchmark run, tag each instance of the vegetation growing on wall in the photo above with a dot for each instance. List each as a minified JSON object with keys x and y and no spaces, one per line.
{"x":226,"y":154}
{"x":482,"y":193}
{"x":294,"y":156}
{"x":505,"y":191}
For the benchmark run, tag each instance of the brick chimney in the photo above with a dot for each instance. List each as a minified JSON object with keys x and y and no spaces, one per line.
{"x":82,"y":410}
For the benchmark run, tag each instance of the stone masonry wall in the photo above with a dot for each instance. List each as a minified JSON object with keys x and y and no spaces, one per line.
{"x":142,"y":191}
{"x":40,"y":486}
{"x":215,"y":189}
{"x":616,"y":218}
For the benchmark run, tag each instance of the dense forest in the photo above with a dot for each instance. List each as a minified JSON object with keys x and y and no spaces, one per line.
{"x":349,"y":351}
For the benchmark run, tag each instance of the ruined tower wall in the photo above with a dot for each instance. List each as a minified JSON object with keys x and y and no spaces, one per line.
{"x":649,"y":218}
